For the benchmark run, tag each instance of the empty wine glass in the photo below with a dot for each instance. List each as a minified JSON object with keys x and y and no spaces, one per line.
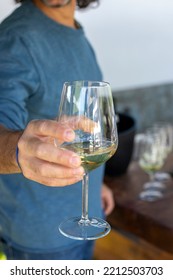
{"x":87,"y":107}
{"x":151,"y":159}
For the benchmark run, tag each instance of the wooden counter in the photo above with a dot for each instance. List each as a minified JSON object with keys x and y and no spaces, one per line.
{"x":140,"y":223}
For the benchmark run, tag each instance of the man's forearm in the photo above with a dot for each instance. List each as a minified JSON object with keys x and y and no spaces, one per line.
{"x":8,"y":144}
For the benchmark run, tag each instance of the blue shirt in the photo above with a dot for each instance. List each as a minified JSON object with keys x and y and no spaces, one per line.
{"x":37,"y":55}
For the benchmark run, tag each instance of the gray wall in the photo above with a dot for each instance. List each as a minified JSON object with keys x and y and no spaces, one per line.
{"x":147,"y":104}
{"x":132,"y":38}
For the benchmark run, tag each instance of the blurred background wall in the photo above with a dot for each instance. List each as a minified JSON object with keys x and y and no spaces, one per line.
{"x":134,"y":44}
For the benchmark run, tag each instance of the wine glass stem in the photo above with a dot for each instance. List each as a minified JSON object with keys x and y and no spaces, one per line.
{"x":151,"y":176}
{"x":84,"y":218}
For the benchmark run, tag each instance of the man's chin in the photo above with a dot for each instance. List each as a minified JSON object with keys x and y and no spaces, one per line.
{"x":56,"y":3}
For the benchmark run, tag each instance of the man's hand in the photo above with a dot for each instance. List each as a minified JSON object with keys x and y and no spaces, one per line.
{"x":41,"y":161}
{"x":107,"y":199}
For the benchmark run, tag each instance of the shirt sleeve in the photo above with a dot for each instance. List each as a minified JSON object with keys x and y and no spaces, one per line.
{"x":18,"y":81}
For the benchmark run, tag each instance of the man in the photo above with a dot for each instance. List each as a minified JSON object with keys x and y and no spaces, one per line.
{"x":41,"y":47}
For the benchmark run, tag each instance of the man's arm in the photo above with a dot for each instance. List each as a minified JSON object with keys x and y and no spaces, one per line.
{"x":8,"y":144}
{"x":38,"y":157}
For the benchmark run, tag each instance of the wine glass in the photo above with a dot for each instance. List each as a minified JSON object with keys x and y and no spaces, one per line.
{"x":166,"y":130}
{"x":87,"y":107}
{"x":151,"y":160}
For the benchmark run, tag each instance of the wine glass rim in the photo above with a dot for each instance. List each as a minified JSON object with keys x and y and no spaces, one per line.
{"x":87,"y":83}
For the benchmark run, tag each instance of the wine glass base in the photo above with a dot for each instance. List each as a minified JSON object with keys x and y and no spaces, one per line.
{"x":162,"y":176}
{"x":154,"y":185}
{"x":150,"y":195}
{"x":90,"y":229}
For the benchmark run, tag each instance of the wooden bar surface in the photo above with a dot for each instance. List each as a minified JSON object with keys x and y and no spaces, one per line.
{"x":151,"y":221}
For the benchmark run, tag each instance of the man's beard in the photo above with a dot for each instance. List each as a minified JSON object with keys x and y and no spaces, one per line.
{"x":63,"y":3}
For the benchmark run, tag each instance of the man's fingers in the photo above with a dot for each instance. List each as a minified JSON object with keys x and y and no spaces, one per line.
{"x":42,"y":161}
{"x":62,"y":130}
{"x":50,"y":153}
{"x":107,"y":200}
{"x":50,"y":128}
{"x":46,"y":169}
{"x":79,"y":122}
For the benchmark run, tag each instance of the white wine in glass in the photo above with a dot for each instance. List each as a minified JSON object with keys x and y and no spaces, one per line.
{"x":87,"y":108}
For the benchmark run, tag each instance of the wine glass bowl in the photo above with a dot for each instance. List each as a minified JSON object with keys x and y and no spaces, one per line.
{"x":87,"y":108}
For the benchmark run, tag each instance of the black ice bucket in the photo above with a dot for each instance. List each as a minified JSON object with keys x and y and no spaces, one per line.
{"x":119,"y":162}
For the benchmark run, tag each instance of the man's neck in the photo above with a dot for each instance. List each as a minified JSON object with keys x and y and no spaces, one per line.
{"x":63,"y":15}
